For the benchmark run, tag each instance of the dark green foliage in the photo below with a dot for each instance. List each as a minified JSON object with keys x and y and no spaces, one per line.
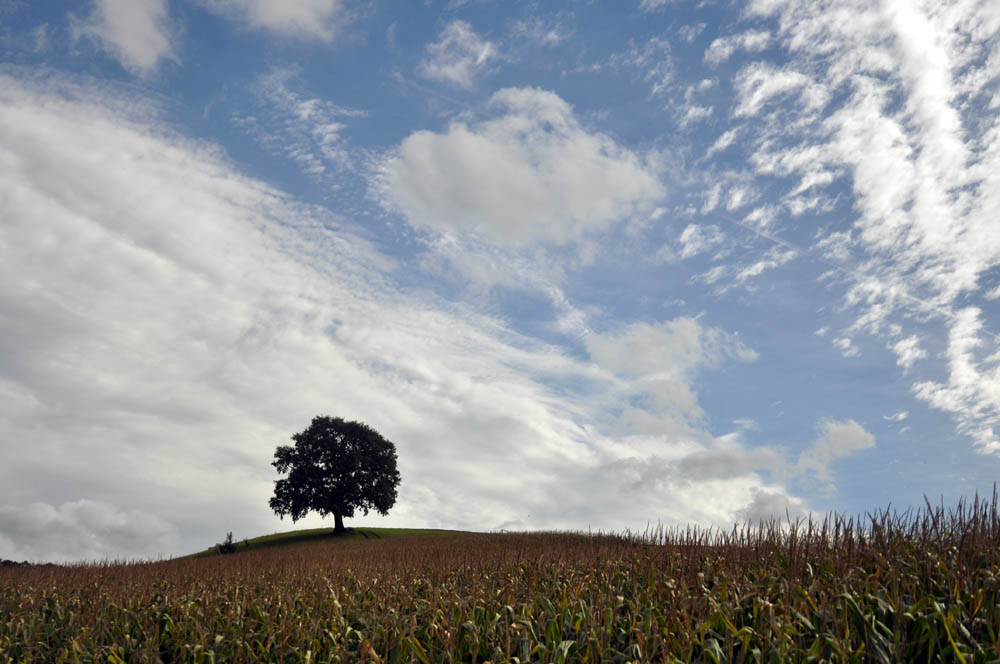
{"x":335,"y":467}
{"x":227,"y":545}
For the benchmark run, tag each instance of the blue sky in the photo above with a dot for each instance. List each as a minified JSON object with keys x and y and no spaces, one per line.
{"x":588,"y":264}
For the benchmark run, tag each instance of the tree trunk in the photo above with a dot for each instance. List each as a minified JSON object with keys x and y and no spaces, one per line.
{"x":338,"y":524}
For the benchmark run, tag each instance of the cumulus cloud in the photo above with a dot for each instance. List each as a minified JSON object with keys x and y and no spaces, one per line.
{"x":532,"y":173}
{"x":320,"y":20}
{"x":82,"y":530}
{"x":459,"y":56}
{"x":134,"y":32}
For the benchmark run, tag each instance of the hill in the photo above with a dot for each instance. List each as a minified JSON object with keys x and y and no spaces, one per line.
{"x":310,"y":536}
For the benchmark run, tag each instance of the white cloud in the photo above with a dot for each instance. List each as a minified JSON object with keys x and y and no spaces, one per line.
{"x":908,"y":351}
{"x":740,"y":196}
{"x":82,"y":530}
{"x":459,"y":56}
{"x":723,"y":141}
{"x":694,"y":113}
{"x":696,"y":239}
{"x":678,"y":347}
{"x":897,"y":417}
{"x":545,"y":33}
{"x":768,"y":506}
{"x":972,"y":392}
{"x":690,"y":32}
{"x":531,"y":174}
{"x":711,"y":198}
{"x":42,"y":38}
{"x":713,"y":464}
{"x":650,"y":5}
{"x":759,"y":83}
{"x":659,"y":363}
{"x":134,"y":32}
{"x":847,"y":347}
{"x":837,"y":439}
{"x":321,"y":20}
{"x":760,"y":218}
{"x":744,"y":276}
{"x":773,"y":258}
{"x":723,"y":48}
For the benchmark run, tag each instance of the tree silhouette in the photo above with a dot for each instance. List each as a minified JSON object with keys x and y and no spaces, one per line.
{"x":335,"y":467}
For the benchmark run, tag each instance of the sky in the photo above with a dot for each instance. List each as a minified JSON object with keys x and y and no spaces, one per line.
{"x":597,"y":265}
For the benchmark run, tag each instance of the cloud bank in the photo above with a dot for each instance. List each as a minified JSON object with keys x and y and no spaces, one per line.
{"x":82,"y":530}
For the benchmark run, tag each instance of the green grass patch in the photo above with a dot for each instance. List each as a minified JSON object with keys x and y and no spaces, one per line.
{"x":321,"y":536}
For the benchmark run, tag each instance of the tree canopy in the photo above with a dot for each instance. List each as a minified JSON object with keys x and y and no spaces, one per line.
{"x":335,"y":467}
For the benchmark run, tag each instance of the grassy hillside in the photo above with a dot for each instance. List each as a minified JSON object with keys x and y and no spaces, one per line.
{"x":321,"y":535}
{"x":888,"y":588}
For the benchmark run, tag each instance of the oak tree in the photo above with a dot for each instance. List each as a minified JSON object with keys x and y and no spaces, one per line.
{"x":335,"y":467}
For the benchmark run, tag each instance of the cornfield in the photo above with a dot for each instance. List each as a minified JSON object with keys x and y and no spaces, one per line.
{"x":888,"y":587}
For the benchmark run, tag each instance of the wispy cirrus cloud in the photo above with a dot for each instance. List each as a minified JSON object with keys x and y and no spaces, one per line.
{"x":306,"y":129}
{"x":651,"y":5}
{"x":653,"y":60}
{"x":723,"y":48}
{"x":545,"y":32}
{"x":891,"y":103}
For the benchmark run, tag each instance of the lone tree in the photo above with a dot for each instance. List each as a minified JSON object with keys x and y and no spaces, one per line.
{"x":335,"y":467}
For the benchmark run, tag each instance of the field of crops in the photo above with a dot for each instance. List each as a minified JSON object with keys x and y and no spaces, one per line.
{"x":886,"y":588}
